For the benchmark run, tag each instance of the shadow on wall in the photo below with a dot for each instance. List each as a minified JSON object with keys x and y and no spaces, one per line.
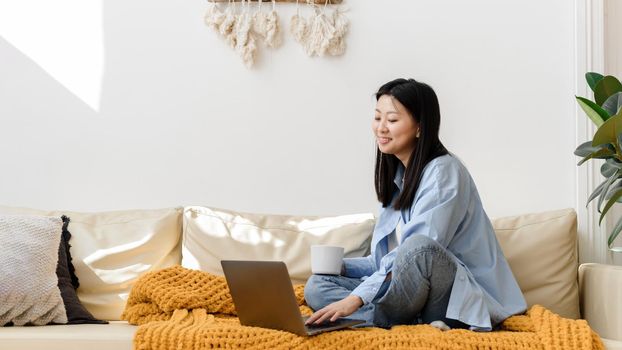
{"x":65,"y":41}
{"x":128,"y":47}
{"x":30,"y":92}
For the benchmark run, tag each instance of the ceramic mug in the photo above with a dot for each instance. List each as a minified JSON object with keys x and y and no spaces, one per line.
{"x":326,"y":259}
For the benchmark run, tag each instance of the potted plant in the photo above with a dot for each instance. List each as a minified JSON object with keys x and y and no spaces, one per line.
{"x":606,"y":112}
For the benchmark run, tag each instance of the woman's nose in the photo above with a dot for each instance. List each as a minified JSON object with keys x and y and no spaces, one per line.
{"x":382,"y":127}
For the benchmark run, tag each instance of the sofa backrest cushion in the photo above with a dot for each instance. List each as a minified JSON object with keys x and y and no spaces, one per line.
{"x":211,"y":235}
{"x":110,"y":250}
{"x":542,"y":252}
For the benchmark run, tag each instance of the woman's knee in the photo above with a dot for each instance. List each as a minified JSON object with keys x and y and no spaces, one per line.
{"x":315,"y":290}
{"x":415,"y":244}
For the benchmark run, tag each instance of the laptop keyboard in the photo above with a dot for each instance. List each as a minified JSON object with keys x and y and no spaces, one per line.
{"x":325,"y":324}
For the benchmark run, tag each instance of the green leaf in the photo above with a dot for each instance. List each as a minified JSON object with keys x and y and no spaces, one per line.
{"x":613,"y":103}
{"x":596,"y":192}
{"x":606,"y":87}
{"x":614,"y":233}
{"x":610,"y":167}
{"x":586,"y":148}
{"x":593,"y":79}
{"x":603,"y":153}
{"x":608,"y":132}
{"x":603,"y":193}
{"x":613,"y":188}
{"x":593,"y":111}
{"x":612,"y":200}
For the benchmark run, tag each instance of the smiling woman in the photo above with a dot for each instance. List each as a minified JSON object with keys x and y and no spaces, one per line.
{"x":395,"y":130}
{"x":434,"y":255}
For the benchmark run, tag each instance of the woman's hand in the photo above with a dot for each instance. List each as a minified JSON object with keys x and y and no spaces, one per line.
{"x":342,"y":308}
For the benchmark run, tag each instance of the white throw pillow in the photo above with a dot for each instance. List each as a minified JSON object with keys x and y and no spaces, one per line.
{"x":29,"y":291}
{"x":211,"y":235}
{"x":111,"y":250}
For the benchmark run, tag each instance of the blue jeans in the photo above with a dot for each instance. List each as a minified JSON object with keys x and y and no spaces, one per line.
{"x":417,"y":292}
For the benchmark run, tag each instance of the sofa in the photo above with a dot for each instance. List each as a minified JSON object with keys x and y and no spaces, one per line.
{"x":111,"y":250}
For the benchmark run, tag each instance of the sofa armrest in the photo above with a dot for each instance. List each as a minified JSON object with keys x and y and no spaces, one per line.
{"x":600,"y":290}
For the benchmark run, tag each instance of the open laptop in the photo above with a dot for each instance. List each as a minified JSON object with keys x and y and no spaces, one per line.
{"x":264,"y":297}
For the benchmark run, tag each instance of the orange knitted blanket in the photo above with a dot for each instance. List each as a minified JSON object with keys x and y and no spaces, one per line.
{"x":178,"y":308}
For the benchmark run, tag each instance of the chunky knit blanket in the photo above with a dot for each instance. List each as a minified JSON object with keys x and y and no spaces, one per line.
{"x":178,"y":308}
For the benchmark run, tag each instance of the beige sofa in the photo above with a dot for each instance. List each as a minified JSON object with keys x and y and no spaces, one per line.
{"x":112,"y":249}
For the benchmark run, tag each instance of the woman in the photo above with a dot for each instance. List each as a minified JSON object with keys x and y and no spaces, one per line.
{"x":434,"y":254}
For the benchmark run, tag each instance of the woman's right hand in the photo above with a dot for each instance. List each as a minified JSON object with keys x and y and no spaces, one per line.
{"x":331,"y":312}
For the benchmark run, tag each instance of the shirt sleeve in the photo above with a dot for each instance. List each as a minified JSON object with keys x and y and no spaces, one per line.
{"x":369,"y":288}
{"x":438,"y":209}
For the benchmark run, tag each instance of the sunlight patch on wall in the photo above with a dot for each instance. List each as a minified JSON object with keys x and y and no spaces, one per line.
{"x":65,"y":38}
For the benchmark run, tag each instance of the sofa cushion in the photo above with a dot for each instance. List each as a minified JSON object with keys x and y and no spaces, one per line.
{"x":111,"y":250}
{"x":601,"y":298}
{"x":211,"y":235}
{"x":542,"y":252}
{"x":28,"y":284}
{"x":117,"y":335}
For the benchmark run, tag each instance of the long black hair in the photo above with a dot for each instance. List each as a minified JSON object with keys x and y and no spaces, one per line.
{"x":421,"y":102}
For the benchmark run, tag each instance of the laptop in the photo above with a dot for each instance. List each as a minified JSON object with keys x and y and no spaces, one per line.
{"x":264,"y":297}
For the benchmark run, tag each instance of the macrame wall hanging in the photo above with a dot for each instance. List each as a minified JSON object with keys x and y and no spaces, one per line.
{"x":243,"y":26}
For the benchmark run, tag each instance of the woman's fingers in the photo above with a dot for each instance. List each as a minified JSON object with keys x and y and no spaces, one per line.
{"x":337,"y":316}
{"x":321,"y":316}
{"x":316,"y":316}
{"x":334,"y":311}
{"x":313,"y":317}
{"x":325,"y":317}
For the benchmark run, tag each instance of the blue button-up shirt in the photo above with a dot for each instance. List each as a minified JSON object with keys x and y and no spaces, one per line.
{"x":447,"y":208}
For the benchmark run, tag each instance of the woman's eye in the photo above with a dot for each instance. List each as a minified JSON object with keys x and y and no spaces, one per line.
{"x":376,"y":118}
{"x":392,"y":121}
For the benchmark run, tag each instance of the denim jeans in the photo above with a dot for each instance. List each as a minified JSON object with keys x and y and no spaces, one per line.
{"x":417,"y":292}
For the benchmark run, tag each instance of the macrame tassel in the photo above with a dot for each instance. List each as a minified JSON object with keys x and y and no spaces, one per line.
{"x":214,"y":17}
{"x":320,"y":34}
{"x":298,"y":26}
{"x":228,"y":25}
{"x":260,"y":22}
{"x":273,"y":31}
{"x":245,"y":42}
{"x":337,"y":45}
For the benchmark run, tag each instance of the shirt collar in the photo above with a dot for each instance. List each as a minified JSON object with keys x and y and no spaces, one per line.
{"x":399,"y":175}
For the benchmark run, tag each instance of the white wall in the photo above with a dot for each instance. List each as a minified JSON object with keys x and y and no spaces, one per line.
{"x":613,"y":37}
{"x":115,"y":104}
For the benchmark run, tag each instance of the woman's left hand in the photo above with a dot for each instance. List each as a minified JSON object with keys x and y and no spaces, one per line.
{"x":342,"y":308}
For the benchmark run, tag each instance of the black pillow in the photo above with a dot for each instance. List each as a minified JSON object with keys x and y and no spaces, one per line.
{"x":68,"y":283}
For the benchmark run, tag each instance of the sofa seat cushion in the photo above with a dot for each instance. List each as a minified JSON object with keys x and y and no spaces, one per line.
{"x":117,"y":335}
{"x":611,"y":344}
{"x":541,"y":249}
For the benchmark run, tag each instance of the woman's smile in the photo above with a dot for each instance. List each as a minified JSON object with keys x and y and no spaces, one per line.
{"x":383,"y":140}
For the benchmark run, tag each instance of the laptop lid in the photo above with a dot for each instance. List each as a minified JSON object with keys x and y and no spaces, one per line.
{"x":263,"y":295}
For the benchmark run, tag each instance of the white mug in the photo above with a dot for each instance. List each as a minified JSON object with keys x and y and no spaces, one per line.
{"x":326,"y":259}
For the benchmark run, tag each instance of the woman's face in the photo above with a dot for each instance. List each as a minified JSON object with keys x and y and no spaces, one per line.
{"x":395,"y":129}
